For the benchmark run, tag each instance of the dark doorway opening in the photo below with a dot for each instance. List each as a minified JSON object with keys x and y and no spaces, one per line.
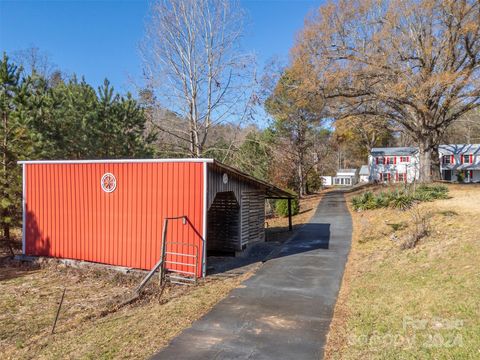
{"x":223,"y":225}
{"x":447,"y":175}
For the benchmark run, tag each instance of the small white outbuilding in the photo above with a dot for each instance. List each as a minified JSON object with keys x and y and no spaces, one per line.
{"x":346,"y":177}
{"x":326,"y":180}
{"x":364,"y":174}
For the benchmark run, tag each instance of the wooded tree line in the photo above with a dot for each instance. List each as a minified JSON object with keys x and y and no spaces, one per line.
{"x":363,"y":73}
{"x":52,"y":118}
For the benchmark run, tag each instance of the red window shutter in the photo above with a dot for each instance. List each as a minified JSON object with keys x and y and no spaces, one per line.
{"x":471,"y":158}
{"x":394,"y":159}
{"x":376,"y":160}
{"x":408,"y":158}
{"x":461,"y":159}
{"x":388,"y":177}
{"x":452,"y":159}
{"x":396,"y":176}
{"x":381,"y":177}
{"x":471,"y":173}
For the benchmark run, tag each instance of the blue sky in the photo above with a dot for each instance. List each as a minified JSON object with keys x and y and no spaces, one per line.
{"x":100,"y":39}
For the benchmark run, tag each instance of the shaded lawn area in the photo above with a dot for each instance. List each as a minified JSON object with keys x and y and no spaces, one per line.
{"x":276,"y":228}
{"x":415,"y":303}
{"x":276,"y":233}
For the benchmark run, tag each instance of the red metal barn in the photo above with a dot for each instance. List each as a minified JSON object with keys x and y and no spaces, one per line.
{"x":113,"y":211}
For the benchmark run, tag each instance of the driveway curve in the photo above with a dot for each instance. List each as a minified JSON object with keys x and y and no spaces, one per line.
{"x":285,"y":309}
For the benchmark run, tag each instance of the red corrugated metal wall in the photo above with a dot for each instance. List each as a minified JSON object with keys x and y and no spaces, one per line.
{"x":68,"y":215}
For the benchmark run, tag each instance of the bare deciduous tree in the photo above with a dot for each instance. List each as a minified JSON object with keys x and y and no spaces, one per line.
{"x":35,"y":61}
{"x":364,"y":132}
{"x":194,"y":63}
{"x":466,"y":130}
{"x":414,"y":62}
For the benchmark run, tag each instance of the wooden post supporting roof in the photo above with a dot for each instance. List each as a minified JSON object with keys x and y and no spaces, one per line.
{"x":290,"y":214}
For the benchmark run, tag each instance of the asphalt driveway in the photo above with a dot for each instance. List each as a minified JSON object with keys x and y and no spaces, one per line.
{"x":284,"y":310}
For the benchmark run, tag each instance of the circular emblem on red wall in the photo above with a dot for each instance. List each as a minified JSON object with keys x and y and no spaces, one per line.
{"x":108,"y":182}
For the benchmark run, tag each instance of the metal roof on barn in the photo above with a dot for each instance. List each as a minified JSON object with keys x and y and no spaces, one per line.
{"x":271,"y":191}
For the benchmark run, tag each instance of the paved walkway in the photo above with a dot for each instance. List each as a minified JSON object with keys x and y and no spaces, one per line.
{"x":284,"y":310}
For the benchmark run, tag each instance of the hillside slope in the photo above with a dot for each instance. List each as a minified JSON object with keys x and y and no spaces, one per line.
{"x":415,"y":303}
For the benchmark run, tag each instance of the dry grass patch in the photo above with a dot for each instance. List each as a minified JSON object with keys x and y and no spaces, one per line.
{"x":87,"y":327}
{"x":412,"y":303}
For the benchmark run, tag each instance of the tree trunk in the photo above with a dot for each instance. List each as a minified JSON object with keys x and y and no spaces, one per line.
{"x":436,"y":175}
{"x":5,"y":145}
{"x":425,"y":165}
{"x":301,"y":181}
{"x":6,"y":233}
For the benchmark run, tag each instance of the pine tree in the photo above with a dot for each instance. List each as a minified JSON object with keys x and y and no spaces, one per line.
{"x":120,"y":126}
{"x":17,"y":142}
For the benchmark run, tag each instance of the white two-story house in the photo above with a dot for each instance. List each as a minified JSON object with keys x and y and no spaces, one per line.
{"x":394,"y":164}
{"x":460,"y":162}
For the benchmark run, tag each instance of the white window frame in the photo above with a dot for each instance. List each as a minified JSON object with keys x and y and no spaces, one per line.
{"x":467,"y":156}
{"x":447,"y":159}
{"x":404,"y":159}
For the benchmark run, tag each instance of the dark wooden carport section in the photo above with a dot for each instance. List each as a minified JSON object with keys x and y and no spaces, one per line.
{"x":269,"y":191}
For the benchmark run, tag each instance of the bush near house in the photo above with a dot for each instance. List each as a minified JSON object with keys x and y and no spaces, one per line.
{"x":399,"y":198}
